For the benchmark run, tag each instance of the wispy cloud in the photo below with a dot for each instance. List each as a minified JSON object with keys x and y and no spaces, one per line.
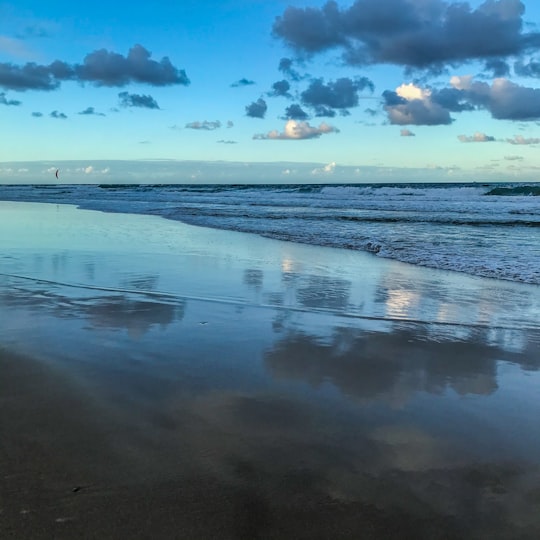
{"x":10,"y":102}
{"x":242,"y":82}
{"x":406,"y":133}
{"x":90,"y":111}
{"x":204,"y":125}
{"x":476,"y":137}
{"x":520,"y":139}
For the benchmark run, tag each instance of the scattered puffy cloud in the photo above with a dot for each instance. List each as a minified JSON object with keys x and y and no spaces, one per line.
{"x":91,"y":111}
{"x":37,"y":114}
{"x":504,"y":99}
{"x":296,"y":130}
{"x":204,"y":125}
{"x":412,"y":105}
{"x":407,"y":133}
{"x":476,"y":137}
{"x":257,"y":109}
{"x":101,"y":67}
{"x":106,"y":68}
{"x":5,"y":101}
{"x":223,"y":141}
{"x":280,"y":89}
{"x":58,"y":115}
{"x":411,"y":33}
{"x":295,"y":112}
{"x":32,"y":76}
{"x":341,"y":94}
{"x":137,"y":100}
{"x":519,"y":139}
{"x":242,"y":82}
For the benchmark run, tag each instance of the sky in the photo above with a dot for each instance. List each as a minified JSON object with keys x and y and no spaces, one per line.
{"x":270,"y":91}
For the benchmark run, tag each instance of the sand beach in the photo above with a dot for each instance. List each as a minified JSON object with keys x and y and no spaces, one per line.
{"x":161,"y":380}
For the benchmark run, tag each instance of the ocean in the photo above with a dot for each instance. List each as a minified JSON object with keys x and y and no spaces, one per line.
{"x":488,"y":230}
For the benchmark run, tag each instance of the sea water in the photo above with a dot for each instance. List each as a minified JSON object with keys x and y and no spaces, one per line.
{"x":489,"y":230}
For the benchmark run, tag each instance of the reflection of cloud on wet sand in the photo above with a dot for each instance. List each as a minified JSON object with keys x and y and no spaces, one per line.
{"x":135,"y":313}
{"x":137,"y":316}
{"x":323,"y":292}
{"x":389,"y":366}
{"x":298,"y":461}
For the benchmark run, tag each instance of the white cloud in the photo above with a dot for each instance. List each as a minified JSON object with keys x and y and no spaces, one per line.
{"x":327,"y":169}
{"x":412,"y":105}
{"x":296,"y":130}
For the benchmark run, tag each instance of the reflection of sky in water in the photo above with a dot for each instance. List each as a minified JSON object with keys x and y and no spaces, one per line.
{"x":297,"y":376}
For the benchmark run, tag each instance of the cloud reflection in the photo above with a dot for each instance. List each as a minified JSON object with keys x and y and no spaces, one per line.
{"x":387,"y":366}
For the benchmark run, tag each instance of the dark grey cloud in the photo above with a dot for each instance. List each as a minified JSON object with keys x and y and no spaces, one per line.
{"x":341,"y":94}
{"x":102,"y":68}
{"x":286,"y":67}
{"x":137,"y":100}
{"x":5,"y":101}
{"x":242,"y":82}
{"x":497,"y":67}
{"x":417,"y":34}
{"x":106,"y":68}
{"x":452,"y":99}
{"x":30,"y":76}
{"x":91,"y":111}
{"x":58,"y":115}
{"x":37,"y":114}
{"x":280,"y":89}
{"x":529,"y":69}
{"x":295,"y":112}
{"x":204,"y":125}
{"x":504,"y":99}
{"x":257,"y":109}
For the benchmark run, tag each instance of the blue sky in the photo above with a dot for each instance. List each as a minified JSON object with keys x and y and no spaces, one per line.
{"x":282,"y":91}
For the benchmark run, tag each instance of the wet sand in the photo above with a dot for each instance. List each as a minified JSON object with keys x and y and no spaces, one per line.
{"x":166,"y":381}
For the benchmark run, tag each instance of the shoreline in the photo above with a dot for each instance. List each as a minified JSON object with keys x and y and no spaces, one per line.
{"x":131,"y":404}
